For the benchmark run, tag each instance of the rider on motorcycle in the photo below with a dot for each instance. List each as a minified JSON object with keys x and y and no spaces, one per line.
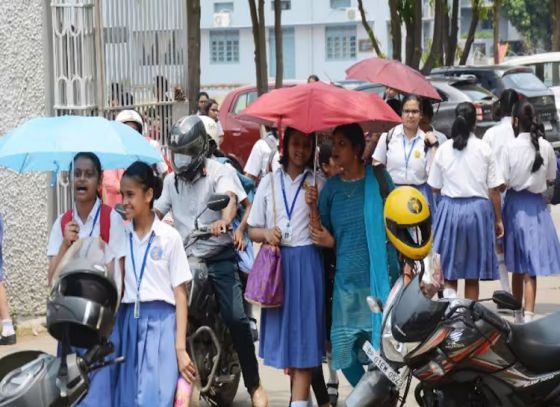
{"x":186,"y":192}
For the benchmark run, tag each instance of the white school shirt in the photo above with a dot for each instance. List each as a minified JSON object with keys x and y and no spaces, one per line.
{"x":166,"y":264}
{"x":261,"y":215}
{"x":257,"y":163}
{"x":518,"y":160}
{"x":466,"y":173}
{"x":394,"y":158}
{"x":192,"y":199}
{"x":498,"y":137}
{"x":117,"y":242}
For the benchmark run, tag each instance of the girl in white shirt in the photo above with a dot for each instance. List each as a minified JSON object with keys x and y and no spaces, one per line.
{"x":293,"y":335}
{"x":531,"y":244}
{"x":408,"y":152}
{"x":469,"y":216}
{"x":152,"y":319}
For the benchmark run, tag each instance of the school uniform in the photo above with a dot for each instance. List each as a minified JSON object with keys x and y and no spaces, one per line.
{"x":530,"y":243}
{"x":406,"y":160}
{"x":259,"y":158}
{"x":101,"y":388}
{"x":154,"y":265}
{"x":498,"y":137}
{"x":464,"y":233}
{"x":292,"y":336}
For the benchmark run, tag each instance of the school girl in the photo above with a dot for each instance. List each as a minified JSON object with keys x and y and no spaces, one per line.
{"x":292,"y":336}
{"x":469,"y":216}
{"x":531,"y":244}
{"x":498,"y":138}
{"x":407,"y":151}
{"x":89,"y":219}
{"x":153,"y":314}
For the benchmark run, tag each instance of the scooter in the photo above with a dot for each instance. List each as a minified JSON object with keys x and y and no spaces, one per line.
{"x":462,"y":353}
{"x":218,"y":370}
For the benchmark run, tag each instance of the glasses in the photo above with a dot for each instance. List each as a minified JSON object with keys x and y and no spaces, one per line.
{"x":413,"y":112}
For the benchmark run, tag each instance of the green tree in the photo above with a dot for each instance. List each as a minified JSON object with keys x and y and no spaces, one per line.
{"x":533,"y":19}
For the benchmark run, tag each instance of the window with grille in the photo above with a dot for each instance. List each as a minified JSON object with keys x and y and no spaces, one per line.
{"x":340,"y":42}
{"x":223,"y":7}
{"x":160,"y":47}
{"x":224,"y":46}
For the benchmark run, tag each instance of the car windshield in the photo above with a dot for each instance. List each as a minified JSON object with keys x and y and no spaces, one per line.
{"x":475,"y":93}
{"x":524,"y":81}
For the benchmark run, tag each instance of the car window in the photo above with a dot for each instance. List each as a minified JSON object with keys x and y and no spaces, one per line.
{"x":523,"y":81}
{"x":244,"y":100}
{"x":475,"y":93}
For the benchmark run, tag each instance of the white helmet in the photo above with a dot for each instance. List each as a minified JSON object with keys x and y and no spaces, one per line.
{"x":133,"y":116}
{"x":211,"y":127}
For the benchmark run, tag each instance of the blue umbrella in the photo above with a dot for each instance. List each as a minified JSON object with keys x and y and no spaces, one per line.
{"x":50,"y":143}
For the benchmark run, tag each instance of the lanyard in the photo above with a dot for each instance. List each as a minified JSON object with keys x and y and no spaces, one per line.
{"x":142,"y":269}
{"x":290,"y":210}
{"x":407,"y":155}
{"x":95,"y":220}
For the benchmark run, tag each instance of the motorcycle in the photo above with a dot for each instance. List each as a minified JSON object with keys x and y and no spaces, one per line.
{"x":216,"y":361}
{"x":462,"y":353}
{"x":80,"y":312}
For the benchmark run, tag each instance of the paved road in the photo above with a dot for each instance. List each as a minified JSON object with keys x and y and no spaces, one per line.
{"x":276,"y":383}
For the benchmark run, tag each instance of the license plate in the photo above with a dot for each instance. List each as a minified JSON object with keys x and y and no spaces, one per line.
{"x":382,"y":365}
{"x":547,"y":126}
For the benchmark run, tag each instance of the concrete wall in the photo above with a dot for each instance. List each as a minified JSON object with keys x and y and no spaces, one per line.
{"x":23,"y":198}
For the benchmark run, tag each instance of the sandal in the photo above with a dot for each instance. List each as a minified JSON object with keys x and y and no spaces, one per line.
{"x":332,"y":390}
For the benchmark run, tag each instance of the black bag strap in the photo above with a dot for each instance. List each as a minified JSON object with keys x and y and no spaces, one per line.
{"x":379,"y":172}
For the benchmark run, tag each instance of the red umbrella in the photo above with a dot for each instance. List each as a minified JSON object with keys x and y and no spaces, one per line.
{"x":393,"y":74}
{"x":319,"y":106}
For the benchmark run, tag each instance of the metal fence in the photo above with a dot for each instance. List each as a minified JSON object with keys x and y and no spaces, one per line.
{"x":109,"y":55}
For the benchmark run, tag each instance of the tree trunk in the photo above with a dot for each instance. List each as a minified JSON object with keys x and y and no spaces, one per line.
{"x":396,"y":34}
{"x":409,"y":41}
{"x":437,"y":44}
{"x":257,"y":21}
{"x":476,"y":5}
{"x":452,"y":37}
{"x":417,"y":19}
{"x":369,"y":31}
{"x":496,"y":31}
{"x":556,"y":25}
{"x":193,"y":53}
{"x":278,"y":43}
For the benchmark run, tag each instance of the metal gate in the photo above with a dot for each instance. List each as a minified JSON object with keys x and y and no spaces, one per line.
{"x":109,"y":55}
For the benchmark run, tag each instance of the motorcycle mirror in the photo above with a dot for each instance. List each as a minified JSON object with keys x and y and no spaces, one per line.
{"x":506,"y":300}
{"x":375,"y":305}
{"x":218,"y":202}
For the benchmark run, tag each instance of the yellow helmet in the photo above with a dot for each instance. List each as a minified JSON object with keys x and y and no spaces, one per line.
{"x":408,"y":222}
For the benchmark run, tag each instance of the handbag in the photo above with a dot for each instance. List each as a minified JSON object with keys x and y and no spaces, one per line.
{"x":265,"y":285}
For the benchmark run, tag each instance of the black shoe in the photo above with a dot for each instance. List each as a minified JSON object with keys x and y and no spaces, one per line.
{"x":254,"y":330}
{"x":503,"y":310}
{"x":8,"y":340}
{"x":332,"y":390}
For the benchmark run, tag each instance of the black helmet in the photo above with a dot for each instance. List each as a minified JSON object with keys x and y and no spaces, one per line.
{"x":188,"y":143}
{"x":85,"y":296}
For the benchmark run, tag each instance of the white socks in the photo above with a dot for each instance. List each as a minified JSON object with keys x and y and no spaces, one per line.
{"x":528,"y":317}
{"x":504,"y":275}
{"x":449,"y":293}
{"x":7,"y":327}
{"x":333,"y":377}
{"x":303,"y":403}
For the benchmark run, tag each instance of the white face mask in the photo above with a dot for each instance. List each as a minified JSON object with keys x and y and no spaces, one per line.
{"x":181,"y":160}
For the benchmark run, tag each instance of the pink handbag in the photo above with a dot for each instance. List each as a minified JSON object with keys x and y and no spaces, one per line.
{"x":265,"y":285}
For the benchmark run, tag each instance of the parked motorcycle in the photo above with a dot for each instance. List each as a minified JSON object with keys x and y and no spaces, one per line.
{"x":81,"y":311}
{"x":210,"y":343}
{"x":462,"y":353}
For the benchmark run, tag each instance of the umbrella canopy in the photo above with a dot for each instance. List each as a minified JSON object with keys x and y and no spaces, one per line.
{"x":320,"y":106}
{"x":50,"y":143}
{"x":393,"y":74}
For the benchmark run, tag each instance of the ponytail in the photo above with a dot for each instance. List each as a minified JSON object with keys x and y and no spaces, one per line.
{"x":527,"y":122}
{"x":463,"y":125}
{"x":505,"y":104}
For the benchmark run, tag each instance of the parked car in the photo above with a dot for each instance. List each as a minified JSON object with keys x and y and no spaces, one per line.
{"x":497,"y":78}
{"x":454,"y":91}
{"x":240,"y":135}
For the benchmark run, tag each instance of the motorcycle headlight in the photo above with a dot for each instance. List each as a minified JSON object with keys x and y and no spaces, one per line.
{"x":392,"y":350}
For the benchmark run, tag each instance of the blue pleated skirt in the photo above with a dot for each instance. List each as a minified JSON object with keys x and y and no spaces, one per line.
{"x":464,"y":236}
{"x":148,"y":376}
{"x":293,"y":336}
{"x":530,"y":243}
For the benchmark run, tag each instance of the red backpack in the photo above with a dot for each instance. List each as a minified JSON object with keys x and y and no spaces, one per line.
{"x":104,"y":221}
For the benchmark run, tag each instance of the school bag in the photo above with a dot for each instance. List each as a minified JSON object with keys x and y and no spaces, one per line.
{"x":104,"y":222}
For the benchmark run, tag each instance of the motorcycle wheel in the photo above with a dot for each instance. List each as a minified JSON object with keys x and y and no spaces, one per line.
{"x":225,"y":393}
{"x":425,"y":398}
